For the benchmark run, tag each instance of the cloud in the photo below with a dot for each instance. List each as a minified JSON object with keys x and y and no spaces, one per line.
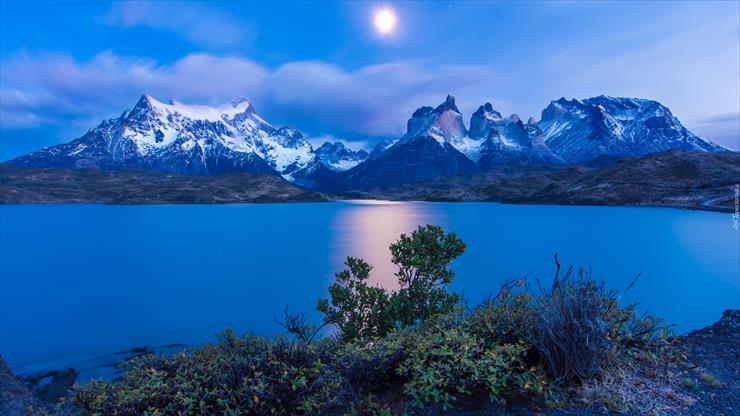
{"x":197,"y":23}
{"x":314,"y":96}
{"x":721,"y":128}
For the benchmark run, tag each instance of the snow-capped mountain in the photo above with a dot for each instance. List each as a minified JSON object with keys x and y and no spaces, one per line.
{"x":492,"y":139}
{"x":436,"y":143}
{"x":202,"y":140}
{"x":338,"y":157}
{"x":190,"y":139}
{"x":569,"y":132}
{"x":443,"y":123}
{"x":581,"y":130}
{"x":418,"y":158}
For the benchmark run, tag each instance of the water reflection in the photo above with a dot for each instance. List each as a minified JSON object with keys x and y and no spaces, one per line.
{"x":365,"y":229}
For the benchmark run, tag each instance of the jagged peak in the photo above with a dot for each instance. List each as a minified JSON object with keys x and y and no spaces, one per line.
{"x":514,"y":118}
{"x":531,"y":121}
{"x":449,"y":104}
{"x":486,"y":110}
{"x":332,"y":145}
{"x":145,"y":104}
{"x":422,"y":111}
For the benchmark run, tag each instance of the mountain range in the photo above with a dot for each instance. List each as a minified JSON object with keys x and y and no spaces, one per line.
{"x":232,"y":138}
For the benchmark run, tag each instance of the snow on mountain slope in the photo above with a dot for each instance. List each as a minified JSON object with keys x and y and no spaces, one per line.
{"x":581,"y":130}
{"x":203,"y":140}
{"x":181,"y":138}
{"x":339,"y":157}
{"x":492,"y":139}
{"x":443,"y":123}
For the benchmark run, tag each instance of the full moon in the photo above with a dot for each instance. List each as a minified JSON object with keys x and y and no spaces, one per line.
{"x":385,"y":20}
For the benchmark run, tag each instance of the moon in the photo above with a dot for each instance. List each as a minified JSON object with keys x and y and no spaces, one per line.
{"x":385,"y":20}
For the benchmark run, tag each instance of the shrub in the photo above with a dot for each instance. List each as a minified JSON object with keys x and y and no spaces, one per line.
{"x":358,"y":310}
{"x":579,"y":329}
{"x":423,"y":261}
{"x":236,"y":376}
{"x":446,"y":362}
{"x":362,"y":311}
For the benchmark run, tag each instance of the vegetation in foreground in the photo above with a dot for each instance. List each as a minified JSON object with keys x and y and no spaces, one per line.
{"x":419,"y":350}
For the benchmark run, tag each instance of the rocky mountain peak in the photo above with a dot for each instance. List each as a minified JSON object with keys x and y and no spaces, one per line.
{"x":482,"y":119}
{"x":338,"y":157}
{"x":448,"y":105}
{"x":145,"y":104}
{"x":487,"y":111}
{"x":444,"y":123}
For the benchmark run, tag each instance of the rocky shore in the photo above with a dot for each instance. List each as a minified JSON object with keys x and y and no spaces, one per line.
{"x":711,"y":380}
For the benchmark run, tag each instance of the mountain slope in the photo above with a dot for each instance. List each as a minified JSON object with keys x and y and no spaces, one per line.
{"x":436,"y":143}
{"x":581,"y":130}
{"x":186,"y":139}
{"x":338,"y":157}
{"x":232,"y":138}
{"x":508,"y":141}
{"x":415,"y":159}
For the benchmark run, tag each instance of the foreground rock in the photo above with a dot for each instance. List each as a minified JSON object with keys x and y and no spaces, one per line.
{"x":14,"y":396}
{"x":715,"y":351}
{"x":38,"y":186}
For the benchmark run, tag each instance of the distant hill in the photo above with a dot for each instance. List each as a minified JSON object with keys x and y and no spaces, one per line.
{"x":35,"y":186}
{"x":674,"y":178}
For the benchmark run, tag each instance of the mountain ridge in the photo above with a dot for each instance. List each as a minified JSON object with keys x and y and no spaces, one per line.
{"x":232,"y":138}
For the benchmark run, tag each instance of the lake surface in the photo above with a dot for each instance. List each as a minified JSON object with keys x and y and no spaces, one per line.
{"x":84,"y":279}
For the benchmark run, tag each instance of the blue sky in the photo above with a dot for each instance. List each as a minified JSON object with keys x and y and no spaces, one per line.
{"x":322,"y":68}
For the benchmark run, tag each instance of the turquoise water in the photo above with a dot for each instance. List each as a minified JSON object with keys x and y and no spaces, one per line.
{"x":79,"y":279}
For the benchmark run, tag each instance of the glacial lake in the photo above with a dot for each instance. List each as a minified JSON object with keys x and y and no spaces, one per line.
{"x":90,"y":279}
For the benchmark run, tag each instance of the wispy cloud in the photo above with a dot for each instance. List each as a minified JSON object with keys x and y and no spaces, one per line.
{"x":315,"y":96}
{"x":722,"y":128}
{"x":198,"y":23}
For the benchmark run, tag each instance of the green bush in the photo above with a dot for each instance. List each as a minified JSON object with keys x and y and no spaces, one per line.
{"x":423,"y":261}
{"x":239,"y":375}
{"x":357,"y":309}
{"x":446,"y":362}
{"x":362,"y":311}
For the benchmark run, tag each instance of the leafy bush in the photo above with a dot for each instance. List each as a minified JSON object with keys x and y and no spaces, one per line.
{"x":362,"y":311}
{"x":447,"y":361}
{"x":237,"y":375}
{"x":423,"y":262}
{"x":358,"y":310}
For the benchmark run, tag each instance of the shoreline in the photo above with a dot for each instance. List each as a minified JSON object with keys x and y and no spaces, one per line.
{"x":702,"y":208}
